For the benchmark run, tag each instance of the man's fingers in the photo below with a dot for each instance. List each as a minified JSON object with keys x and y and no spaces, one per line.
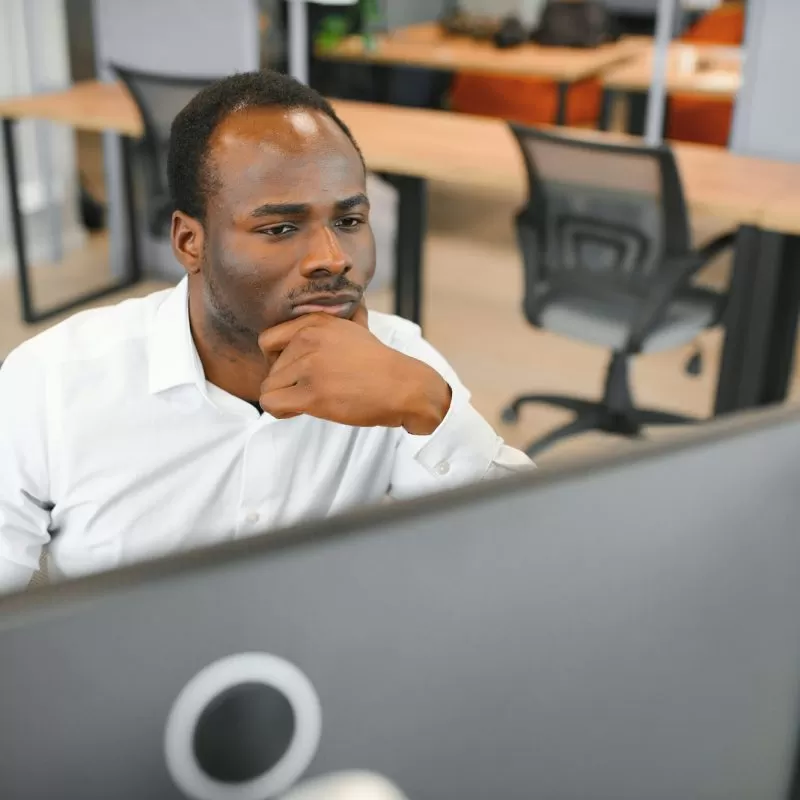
{"x":295,"y":350}
{"x":274,"y":340}
{"x":285,"y":374}
{"x":285,"y":403}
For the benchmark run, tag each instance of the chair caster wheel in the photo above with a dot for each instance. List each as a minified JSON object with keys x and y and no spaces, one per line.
{"x":509,"y":415}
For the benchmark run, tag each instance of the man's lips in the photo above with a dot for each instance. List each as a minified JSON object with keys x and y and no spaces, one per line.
{"x":339,"y":305}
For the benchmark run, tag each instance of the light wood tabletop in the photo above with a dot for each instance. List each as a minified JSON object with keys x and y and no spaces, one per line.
{"x":86,"y":106}
{"x":426,"y":45}
{"x":691,"y":69}
{"x":473,"y":151}
{"x":782,"y":213}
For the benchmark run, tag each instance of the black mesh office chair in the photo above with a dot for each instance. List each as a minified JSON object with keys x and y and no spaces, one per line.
{"x":607,"y":257}
{"x":159,"y":99}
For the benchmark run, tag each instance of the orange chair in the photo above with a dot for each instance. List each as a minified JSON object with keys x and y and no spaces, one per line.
{"x":707,"y":120}
{"x":531,"y":101}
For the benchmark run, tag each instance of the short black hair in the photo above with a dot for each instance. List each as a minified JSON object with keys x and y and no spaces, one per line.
{"x":189,"y":174}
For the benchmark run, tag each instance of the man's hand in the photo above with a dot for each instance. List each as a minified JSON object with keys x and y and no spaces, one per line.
{"x":335,"y":369}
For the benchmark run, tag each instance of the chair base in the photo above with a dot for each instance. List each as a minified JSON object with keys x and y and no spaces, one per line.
{"x":614,"y":413}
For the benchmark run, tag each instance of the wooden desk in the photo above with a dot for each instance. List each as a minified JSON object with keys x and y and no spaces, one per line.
{"x":88,"y":106}
{"x":437,"y":145}
{"x":85,"y":106}
{"x":698,"y":70}
{"x":481,"y":152}
{"x":691,"y":69}
{"x":412,"y":146}
{"x":428,"y":46}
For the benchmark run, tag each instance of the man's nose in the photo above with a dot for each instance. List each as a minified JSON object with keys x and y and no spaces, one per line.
{"x":325,"y":255}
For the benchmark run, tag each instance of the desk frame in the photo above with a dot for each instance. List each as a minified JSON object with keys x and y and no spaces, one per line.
{"x":761,"y":321}
{"x":29,"y":312}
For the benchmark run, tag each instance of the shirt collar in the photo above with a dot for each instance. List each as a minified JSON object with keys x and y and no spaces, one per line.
{"x":172,"y":357}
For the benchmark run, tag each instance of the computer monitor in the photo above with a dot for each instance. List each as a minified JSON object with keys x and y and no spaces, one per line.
{"x":618,"y":631}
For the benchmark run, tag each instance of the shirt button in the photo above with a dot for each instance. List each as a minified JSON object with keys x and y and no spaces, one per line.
{"x":443,"y":467}
{"x":252,"y":518}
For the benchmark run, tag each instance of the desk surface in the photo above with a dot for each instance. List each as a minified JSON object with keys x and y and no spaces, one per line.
{"x":782,"y":212}
{"x":472,"y":151}
{"x":86,"y":106}
{"x":691,"y":69}
{"x":426,"y":45}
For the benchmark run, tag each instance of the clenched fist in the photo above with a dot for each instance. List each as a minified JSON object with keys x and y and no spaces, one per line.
{"x":335,"y":369}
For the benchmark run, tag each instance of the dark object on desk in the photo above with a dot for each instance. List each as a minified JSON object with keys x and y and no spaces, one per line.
{"x":511,"y":33}
{"x":159,"y":98}
{"x":606,"y":249}
{"x":579,"y":23}
{"x":625,"y":629}
{"x":460,"y":23}
{"x":93,"y":212}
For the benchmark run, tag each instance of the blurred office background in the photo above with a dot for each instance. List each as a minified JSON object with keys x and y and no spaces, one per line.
{"x":72,"y":198}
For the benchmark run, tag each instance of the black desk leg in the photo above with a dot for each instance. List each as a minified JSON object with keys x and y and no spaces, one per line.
{"x":665,"y":119}
{"x":134,"y":260}
{"x":761,"y":321}
{"x":17,"y":228}
{"x":637,"y":113}
{"x":561,"y":108}
{"x":607,"y":109}
{"x":29,"y":313}
{"x":412,"y":223}
{"x":781,"y":347}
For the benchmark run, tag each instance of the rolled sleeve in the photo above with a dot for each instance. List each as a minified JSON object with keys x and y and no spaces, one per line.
{"x":463,"y":449}
{"x":464,"y":444}
{"x":24,"y":483}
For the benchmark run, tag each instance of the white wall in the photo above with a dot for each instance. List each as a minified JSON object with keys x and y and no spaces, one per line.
{"x":767,"y":118}
{"x":409,"y":12}
{"x":33,"y":58}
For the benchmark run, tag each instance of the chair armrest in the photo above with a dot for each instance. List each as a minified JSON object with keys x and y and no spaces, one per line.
{"x":719,"y":243}
{"x":678,"y":273}
{"x":657,"y":303}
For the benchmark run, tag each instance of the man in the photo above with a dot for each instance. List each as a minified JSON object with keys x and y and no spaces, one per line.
{"x":137,"y":430}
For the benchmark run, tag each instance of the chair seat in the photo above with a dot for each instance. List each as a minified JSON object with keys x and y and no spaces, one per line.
{"x":608,"y":323}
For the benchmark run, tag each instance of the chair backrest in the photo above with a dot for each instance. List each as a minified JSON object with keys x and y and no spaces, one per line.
{"x":159,"y":99}
{"x":177,"y":37}
{"x":599,"y":214}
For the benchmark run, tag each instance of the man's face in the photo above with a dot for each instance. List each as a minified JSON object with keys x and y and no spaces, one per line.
{"x":287,"y":224}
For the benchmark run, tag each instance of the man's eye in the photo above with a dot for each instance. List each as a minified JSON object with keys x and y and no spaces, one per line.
{"x":279,"y":230}
{"x":348,"y":223}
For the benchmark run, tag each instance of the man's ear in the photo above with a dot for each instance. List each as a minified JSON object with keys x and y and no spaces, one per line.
{"x":188,"y":238}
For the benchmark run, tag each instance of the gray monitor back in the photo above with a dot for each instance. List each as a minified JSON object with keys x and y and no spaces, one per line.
{"x":623,"y":631}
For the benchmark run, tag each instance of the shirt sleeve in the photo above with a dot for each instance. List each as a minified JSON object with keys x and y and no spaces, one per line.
{"x":24,"y":483}
{"x":463,"y":449}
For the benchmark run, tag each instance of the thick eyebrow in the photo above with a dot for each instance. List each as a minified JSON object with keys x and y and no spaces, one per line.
{"x":280,"y":210}
{"x":300,"y":209}
{"x":359,"y":199}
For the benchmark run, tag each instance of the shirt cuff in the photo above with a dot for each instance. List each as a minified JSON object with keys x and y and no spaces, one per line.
{"x":461,"y":449}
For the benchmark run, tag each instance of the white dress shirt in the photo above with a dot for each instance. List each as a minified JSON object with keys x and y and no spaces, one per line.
{"x":113,"y":444}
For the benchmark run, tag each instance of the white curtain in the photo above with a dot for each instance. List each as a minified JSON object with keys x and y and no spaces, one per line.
{"x":33,"y":59}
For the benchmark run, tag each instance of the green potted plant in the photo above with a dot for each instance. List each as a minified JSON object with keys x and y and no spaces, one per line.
{"x":331,"y":30}
{"x":370,"y":21}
